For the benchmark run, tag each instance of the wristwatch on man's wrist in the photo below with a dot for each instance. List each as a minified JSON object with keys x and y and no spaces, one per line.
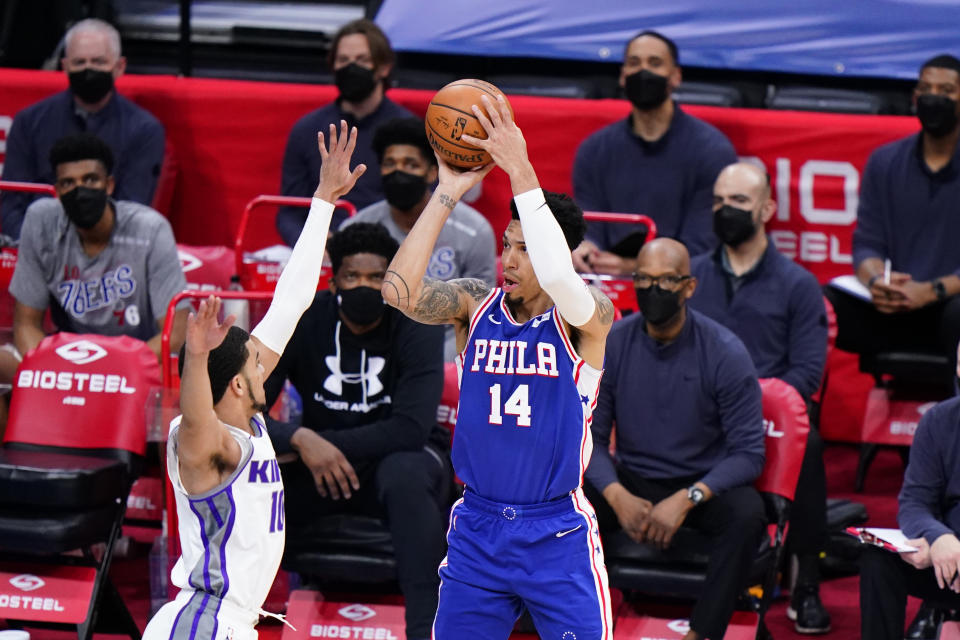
{"x":939,"y":289}
{"x":695,"y":494}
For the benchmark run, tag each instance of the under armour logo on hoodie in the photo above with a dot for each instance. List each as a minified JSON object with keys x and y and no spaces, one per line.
{"x":369,"y":376}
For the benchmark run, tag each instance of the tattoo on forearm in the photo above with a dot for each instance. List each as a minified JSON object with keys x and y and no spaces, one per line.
{"x":439,"y":301}
{"x":604,"y":306}
{"x":476,"y":289}
{"x":391,"y":288}
{"x":447,"y":201}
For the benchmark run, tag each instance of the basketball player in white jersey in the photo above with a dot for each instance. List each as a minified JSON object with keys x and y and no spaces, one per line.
{"x":220,"y":461}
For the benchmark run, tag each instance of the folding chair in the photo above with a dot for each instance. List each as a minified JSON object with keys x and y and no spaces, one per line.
{"x":643,"y":568}
{"x":74,"y":445}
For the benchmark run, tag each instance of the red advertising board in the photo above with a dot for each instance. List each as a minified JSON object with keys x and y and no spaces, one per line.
{"x":314,"y":617}
{"x":45,"y":593}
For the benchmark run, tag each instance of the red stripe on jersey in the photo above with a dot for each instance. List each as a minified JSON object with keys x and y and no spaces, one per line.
{"x":479,"y":312}
{"x":562,"y":328}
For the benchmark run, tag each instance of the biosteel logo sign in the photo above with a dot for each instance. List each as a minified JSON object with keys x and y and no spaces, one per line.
{"x":357,"y":612}
{"x":188,"y":262}
{"x":78,"y":352}
{"x":81,"y":352}
{"x":27,"y":582}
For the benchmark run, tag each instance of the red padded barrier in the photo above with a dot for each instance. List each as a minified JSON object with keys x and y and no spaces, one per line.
{"x":206,"y":268}
{"x":71,"y":387}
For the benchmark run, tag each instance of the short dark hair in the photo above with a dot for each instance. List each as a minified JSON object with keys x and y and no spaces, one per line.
{"x":568,"y":214}
{"x":380,"y":49}
{"x":81,"y":146}
{"x":942,"y":61}
{"x":671,"y":45}
{"x":402,"y":131}
{"x":224,"y":362}
{"x":361,"y":237}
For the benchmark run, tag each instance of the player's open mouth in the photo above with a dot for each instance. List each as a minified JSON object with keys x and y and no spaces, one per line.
{"x":509,"y":285}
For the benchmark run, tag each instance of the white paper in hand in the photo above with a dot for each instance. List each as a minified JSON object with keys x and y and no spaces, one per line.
{"x":893,"y":537}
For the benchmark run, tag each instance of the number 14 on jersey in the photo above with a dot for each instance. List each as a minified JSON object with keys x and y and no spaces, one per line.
{"x":518,"y":404}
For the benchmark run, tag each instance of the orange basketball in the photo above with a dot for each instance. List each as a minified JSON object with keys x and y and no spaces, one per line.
{"x":450,"y":115}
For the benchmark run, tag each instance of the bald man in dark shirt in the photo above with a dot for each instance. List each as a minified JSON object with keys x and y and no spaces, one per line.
{"x":683,"y":393}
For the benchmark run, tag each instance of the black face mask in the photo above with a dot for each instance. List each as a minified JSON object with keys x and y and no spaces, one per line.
{"x":84,"y":206}
{"x":937,"y":114}
{"x":646,"y":89}
{"x":354,"y":82}
{"x":90,"y":85}
{"x":733,"y":226}
{"x":362,"y":305}
{"x":658,"y":305}
{"x":403,"y":190}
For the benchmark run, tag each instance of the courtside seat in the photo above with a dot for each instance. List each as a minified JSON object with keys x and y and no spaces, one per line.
{"x":346,"y":548}
{"x":50,"y":480}
{"x":916,"y":367}
{"x":547,"y":86}
{"x":708,"y":93}
{"x":672,"y":572}
{"x":74,"y":444}
{"x":905,"y":383}
{"x":644,"y":568}
{"x":826,"y":99}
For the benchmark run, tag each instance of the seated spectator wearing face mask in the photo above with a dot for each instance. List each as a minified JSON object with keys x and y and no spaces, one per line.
{"x":102,"y":265}
{"x":684,"y":396}
{"x":775,"y":307}
{"x":371,"y":380}
{"x":361,"y":60}
{"x":908,"y":215}
{"x":659,"y":161}
{"x":92,"y":62}
{"x":408,"y":169}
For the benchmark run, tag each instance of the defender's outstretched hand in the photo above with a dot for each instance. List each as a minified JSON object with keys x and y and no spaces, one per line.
{"x":336,"y":179}
{"x":204,"y":331}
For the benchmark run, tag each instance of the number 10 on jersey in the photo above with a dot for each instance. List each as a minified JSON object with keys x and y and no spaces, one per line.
{"x":518,"y":404}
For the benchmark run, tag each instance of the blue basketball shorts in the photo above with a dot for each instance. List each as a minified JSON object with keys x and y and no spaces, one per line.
{"x":501,"y":558}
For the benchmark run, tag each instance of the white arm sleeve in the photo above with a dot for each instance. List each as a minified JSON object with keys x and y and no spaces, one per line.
{"x":550,"y":257}
{"x":297,"y":285}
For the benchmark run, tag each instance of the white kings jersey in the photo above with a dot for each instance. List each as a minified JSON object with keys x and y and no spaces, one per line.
{"x":231,"y":537}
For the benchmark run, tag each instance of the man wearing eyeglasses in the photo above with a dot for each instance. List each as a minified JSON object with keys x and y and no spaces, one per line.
{"x":684,"y":395}
{"x":775,"y":307}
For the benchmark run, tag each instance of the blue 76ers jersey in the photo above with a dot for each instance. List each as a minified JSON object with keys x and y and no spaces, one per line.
{"x":526,"y":403}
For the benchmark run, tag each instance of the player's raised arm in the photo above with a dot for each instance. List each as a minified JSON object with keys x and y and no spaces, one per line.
{"x":202,"y":442}
{"x":297,"y":284}
{"x":583,"y":307}
{"x":424,"y":299}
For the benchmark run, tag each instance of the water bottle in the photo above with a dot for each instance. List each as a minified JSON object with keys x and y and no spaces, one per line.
{"x":158,"y":574}
{"x":238,"y":308}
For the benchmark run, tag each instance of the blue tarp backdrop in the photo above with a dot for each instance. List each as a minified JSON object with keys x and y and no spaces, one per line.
{"x":884,"y":38}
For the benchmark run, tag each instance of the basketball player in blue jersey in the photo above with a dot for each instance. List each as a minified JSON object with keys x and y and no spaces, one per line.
{"x":219,"y":458}
{"x":530,"y":361}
